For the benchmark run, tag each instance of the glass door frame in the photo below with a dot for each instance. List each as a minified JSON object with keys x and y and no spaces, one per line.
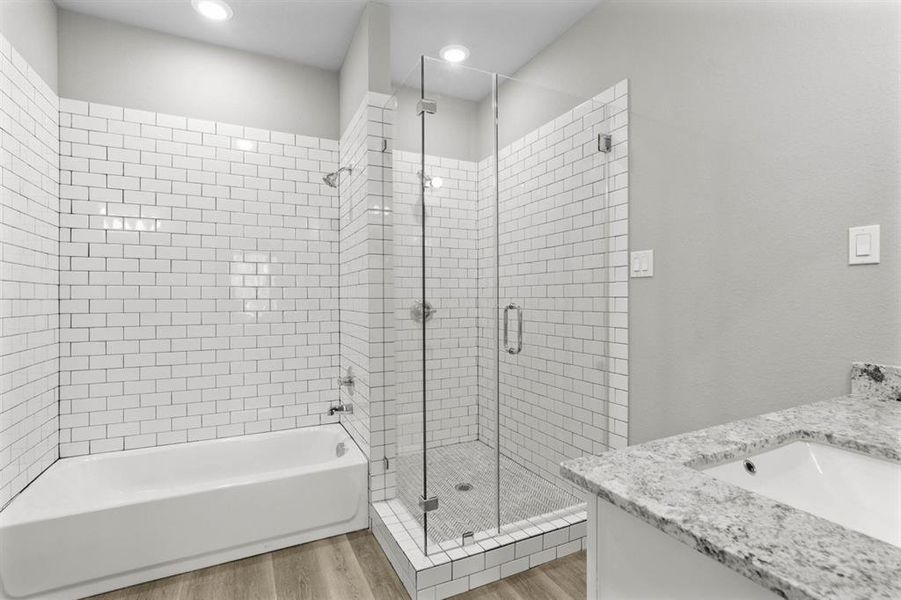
{"x":495,"y":151}
{"x":425,"y":500}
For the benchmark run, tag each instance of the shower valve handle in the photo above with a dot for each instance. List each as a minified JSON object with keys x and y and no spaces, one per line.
{"x":422,"y":311}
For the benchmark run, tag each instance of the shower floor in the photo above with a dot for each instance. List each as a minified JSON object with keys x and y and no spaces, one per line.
{"x":524,"y":494}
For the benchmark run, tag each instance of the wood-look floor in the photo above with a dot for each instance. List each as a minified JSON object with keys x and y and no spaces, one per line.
{"x":345,"y":567}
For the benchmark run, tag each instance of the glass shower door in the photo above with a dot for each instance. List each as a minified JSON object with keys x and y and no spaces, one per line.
{"x":503,"y":286}
{"x":553,"y":268}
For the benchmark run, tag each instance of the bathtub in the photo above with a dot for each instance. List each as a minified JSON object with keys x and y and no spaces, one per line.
{"x":97,"y":523}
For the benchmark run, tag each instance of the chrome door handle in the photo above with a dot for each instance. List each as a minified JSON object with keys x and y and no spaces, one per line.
{"x":506,"y":324}
{"x":518,"y":310}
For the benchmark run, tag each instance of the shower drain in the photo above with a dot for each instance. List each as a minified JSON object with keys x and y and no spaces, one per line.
{"x":463,"y":487}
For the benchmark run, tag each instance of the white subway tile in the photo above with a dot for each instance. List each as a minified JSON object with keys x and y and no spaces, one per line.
{"x":144,"y":246}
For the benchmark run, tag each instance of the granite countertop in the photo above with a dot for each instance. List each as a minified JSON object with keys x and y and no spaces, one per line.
{"x":793,"y":553}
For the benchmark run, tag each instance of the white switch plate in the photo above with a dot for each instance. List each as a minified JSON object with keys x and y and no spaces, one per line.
{"x":863,"y":245}
{"x":641,"y":263}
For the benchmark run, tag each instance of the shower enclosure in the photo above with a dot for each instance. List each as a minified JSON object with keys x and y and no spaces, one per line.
{"x":504,"y":296}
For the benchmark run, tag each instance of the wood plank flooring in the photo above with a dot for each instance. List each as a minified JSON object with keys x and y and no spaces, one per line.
{"x":345,"y":567}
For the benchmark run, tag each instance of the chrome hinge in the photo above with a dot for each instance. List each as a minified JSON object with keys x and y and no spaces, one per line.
{"x":425,"y":105}
{"x":605,"y":142}
{"x":428,"y":504}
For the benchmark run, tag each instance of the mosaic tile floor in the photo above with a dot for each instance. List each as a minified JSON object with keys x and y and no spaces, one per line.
{"x":524,"y":495}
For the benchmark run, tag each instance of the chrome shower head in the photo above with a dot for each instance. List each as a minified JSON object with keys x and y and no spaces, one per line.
{"x":331,"y":179}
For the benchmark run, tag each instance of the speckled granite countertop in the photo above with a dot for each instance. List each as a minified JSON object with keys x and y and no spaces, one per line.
{"x":791,"y":552}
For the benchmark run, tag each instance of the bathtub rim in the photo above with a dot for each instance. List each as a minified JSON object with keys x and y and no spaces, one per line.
{"x":10,"y":516}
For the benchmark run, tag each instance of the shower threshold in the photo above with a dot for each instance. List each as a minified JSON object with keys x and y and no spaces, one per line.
{"x":542,"y":522}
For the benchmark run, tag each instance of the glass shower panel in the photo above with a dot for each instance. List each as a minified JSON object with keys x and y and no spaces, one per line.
{"x":403,"y":292}
{"x":553,"y":261}
{"x":460,"y":467}
{"x":445,"y":476}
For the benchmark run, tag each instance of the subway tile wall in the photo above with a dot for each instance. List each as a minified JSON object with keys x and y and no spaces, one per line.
{"x":198,"y":294}
{"x":563,"y":258}
{"x":489,"y":302}
{"x":365,"y":349}
{"x":29,"y":260}
{"x":382,"y":422}
{"x":357,"y":240}
{"x":452,"y":290}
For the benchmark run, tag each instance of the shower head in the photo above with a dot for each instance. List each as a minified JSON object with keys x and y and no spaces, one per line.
{"x":429,"y":182}
{"x":331,"y":179}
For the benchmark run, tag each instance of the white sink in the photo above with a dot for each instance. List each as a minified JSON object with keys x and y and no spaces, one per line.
{"x":857,"y":491}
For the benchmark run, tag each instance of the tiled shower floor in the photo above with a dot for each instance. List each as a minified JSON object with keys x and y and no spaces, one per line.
{"x":524,"y":495}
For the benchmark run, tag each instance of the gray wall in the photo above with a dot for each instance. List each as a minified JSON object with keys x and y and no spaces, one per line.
{"x":759,"y":133}
{"x":30,"y":26}
{"x":523,"y":107}
{"x":452,"y":132}
{"x":353,"y":79}
{"x":366,"y":66}
{"x":118,"y":64}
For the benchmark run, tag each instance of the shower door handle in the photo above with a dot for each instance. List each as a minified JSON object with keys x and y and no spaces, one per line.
{"x":518,"y":310}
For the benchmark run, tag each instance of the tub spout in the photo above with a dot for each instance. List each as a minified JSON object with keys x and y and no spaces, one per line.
{"x":346,"y":409}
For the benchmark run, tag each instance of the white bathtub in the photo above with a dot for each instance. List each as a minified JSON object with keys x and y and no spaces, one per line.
{"x":98,"y":523}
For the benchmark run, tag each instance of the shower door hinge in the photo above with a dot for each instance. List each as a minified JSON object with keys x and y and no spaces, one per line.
{"x":605,"y":142}
{"x":387,"y":464}
{"x":428,"y":504}
{"x":426,"y":105}
{"x":384,"y":145}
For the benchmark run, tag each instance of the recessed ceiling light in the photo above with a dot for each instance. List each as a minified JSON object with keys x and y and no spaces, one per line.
{"x":455,"y":53}
{"x":214,"y":10}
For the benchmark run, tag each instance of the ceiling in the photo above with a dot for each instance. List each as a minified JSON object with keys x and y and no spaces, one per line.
{"x":501,"y":34}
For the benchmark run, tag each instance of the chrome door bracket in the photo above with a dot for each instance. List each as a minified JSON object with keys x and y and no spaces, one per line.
{"x":428,"y":504}
{"x":426,"y":105}
{"x":605,"y":142}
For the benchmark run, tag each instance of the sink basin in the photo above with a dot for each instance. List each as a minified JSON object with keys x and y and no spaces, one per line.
{"x":857,"y":491}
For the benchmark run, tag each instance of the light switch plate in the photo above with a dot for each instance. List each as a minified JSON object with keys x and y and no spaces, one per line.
{"x":863,"y":245}
{"x":641,"y":263}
